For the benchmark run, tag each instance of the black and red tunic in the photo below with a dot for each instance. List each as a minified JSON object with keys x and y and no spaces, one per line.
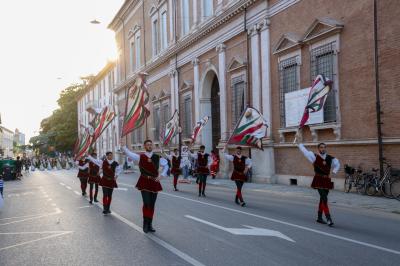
{"x":94,"y":177}
{"x":202,"y":163}
{"x":148,"y":173}
{"x":239,"y":164}
{"x":108,"y":179}
{"x":322,"y":169}
{"x":176,"y":165}
{"x":83,"y":173}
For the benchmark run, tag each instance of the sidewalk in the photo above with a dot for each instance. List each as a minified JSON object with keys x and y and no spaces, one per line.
{"x":337,"y":198}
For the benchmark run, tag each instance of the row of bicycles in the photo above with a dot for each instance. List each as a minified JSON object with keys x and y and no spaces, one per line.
{"x":371,"y":183}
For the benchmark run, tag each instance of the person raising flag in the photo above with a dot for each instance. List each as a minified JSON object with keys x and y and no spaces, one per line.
{"x":241,"y":165}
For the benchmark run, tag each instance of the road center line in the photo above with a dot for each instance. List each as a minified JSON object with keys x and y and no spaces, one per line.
{"x":35,"y":240}
{"x":290,"y":224}
{"x":159,"y":241}
{"x":58,"y":211}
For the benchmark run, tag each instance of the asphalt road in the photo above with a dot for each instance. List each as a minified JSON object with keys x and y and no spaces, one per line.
{"x":45,"y":221}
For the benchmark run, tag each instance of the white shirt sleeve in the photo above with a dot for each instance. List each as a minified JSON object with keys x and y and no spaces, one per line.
{"x":308,"y":154}
{"x":336,"y":165}
{"x":248,"y":162}
{"x":85,"y":166}
{"x":97,"y":162}
{"x":164,"y":165}
{"x":228,"y":157}
{"x":210,"y":161}
{"x":118,"y":170}
{"x":133,"y":156}
{"x":193,"y":155}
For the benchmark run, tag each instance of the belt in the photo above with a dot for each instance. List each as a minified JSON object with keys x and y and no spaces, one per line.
{"x":149,"y":177}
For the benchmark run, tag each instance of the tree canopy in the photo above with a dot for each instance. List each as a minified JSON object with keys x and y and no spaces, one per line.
{"x":59,"y":131}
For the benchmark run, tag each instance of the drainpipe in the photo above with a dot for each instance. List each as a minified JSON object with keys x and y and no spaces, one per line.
{"x":377,"y":91}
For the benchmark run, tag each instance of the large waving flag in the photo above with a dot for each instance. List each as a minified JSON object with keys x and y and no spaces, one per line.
{"x":83,"y":144}
{"x":136,"y":109}
{"x":199,"y":126}
{"x":171,"y":129}
{"x":250,"y":129}
{"x":316,"y":99}
{"x":101,"y":121}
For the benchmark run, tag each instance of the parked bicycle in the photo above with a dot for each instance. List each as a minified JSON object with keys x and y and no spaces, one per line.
{"x":395,"y":185}
{"x":355,"y":178}
{"x":375,"y":184}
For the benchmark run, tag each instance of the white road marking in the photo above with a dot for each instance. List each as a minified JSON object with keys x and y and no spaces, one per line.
{"x":289,"y":224}
{"x":77,"y":193}
{"x":159,"y":241}
{"x":121,"y":188}
{"x":53,"y":204}
{"x":62,"y":184}
{"x":49,"y":199}
{"x":36,"y":240}
{"x":57,"y":211}
{"x":84,"y":207}
{"x":28,"y":233}
{"x":249,"y":231}
{"x":68,"y":187}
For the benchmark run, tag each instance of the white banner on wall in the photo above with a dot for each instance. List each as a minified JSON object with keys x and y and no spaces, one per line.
{"x":295,"y":102}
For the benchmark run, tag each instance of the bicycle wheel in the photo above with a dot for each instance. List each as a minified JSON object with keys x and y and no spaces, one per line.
{"x":385,"y":188}
{"x":395,"y":189}
{"x":360,"y":184}
{"x":347,"y":184}
{"x":370,"y":187}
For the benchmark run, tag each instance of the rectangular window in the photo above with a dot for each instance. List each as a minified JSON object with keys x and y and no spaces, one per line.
{"x":207,"y":8}
{"x":187,"y":112}
{"x":131,"y":56}
{"x":322,"y":62}
{"x":137,"y":51}
{"x":164,"y":40}
{"x":185,"y":17}
{"x":165,"y":113}
{"x":288,"y":82}
{"x":238,"y":89}
{"x":156,"y":122}
{"x":155,"y":37}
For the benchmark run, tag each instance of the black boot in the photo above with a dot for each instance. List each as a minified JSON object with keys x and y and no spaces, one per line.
{"x":320,"y":220}
{"x":95,"y":200}
{"x":150,"y":226}
{"x":329,"y":219}
{"x":237,"y":200}
{"x":145,"y":225}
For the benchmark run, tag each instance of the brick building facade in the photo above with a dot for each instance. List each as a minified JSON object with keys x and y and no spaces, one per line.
{"x":213,"y":57}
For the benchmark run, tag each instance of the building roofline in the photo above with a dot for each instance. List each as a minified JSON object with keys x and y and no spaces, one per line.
{"x":116,"y":21}
{"x":6,"y":129}
{"x":99,"y":76}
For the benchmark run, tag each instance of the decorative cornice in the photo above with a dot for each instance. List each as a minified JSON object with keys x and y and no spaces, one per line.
{"x":220,"y":48}
{"x":195,"y":62}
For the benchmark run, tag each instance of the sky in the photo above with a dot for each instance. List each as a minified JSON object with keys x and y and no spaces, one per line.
{"x":46,"y":45}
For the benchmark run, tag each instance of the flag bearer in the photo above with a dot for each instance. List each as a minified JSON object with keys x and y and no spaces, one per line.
{"x":83,"y":173}
{"x":175,"y":160}
{"x":241,"y":165}
{"x":94,"y":179}
{"x":323,"y":163}
{"x":149,"y":180}
{"x":111,"y":169}
{"x":214,"y":167}
{"x":203,"y":163}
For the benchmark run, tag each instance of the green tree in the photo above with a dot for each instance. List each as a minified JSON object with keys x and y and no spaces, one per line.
{"x":59,"y":131}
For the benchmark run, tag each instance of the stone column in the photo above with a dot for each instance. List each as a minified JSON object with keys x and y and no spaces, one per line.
{"x":171,"y":22}
{"x":255,"y":68}
{"x":266,"y":74}
{"x":263,"y":161}
{"x":172,"y":75}
{"x":222,"y":88}
{"x":196,"y":92}
{"x":195,"y":16}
